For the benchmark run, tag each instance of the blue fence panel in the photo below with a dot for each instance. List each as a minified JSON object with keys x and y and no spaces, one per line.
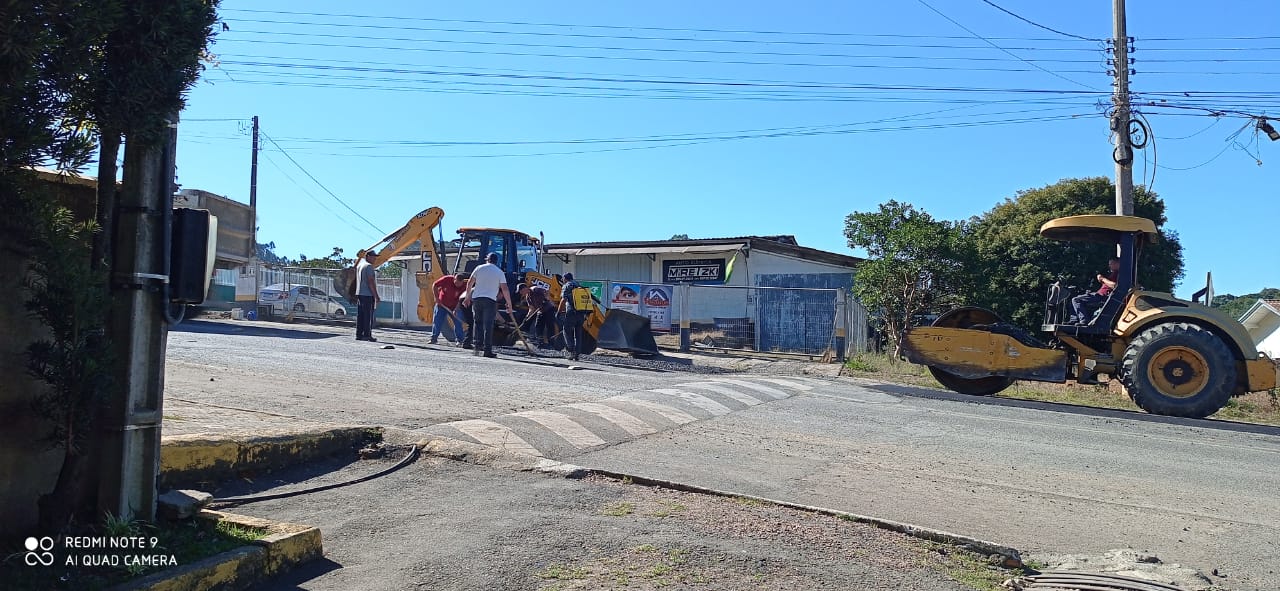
{"x":798,"y":320}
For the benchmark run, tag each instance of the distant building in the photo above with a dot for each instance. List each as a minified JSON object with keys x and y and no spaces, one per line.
{"x":1263,"y":323}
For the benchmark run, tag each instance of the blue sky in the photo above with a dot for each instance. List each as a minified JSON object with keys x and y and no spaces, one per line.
{"x":925,"y":113}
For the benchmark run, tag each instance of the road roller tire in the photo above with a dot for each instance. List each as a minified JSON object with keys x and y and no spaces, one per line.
{"x":1179,"y":370}
{"x":985,"y":386}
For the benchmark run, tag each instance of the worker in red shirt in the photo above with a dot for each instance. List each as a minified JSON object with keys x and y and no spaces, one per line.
{"x":448,"y":290}
{"x":1086,"y":304}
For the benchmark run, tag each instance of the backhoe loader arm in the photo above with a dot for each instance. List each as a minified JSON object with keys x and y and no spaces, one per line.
{"x":418,"y":229}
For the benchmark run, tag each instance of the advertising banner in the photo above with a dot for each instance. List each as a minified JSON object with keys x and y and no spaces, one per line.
{"x":625,"y":296}
{"x":703,"y":271}
{"x":656,"y":300}
{"x":597,"y":289}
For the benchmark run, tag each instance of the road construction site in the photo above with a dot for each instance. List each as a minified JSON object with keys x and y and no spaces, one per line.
{"x":1048,"y":480}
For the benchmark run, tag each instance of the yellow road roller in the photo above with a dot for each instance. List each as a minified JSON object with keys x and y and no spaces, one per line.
{"x":1174,"y":357}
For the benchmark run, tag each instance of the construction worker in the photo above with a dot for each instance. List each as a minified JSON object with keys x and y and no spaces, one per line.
{"x":367,"y":296}
{"x":487,"y":283}
{"x":576,"y":304}
{"x":448,"y":290}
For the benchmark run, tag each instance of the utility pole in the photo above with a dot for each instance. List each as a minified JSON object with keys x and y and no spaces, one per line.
{"x":253,"y":213}
{"x":131,"y":446}
{"x":1123,"y":153}
{"x":253,"y":188}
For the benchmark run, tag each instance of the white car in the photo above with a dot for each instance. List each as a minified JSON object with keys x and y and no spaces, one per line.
{"x":284,"y":298}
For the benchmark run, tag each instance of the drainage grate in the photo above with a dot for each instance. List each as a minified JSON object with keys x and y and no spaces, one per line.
{"x":1083,"y":581}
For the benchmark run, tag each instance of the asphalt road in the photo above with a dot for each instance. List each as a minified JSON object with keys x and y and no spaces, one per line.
{"x":1041,"y":478}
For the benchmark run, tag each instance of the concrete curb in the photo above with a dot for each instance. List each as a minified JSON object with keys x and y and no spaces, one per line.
{"x":484,"y":455}
{"x":189,"y":460}
{"x":285,"y":546}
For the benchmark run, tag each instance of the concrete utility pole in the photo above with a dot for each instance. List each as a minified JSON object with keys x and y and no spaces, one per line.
{"x":253,"y":189}
{"x":253,"y":212}
{"x":131,"y":447}
{"x":1123,"y":153}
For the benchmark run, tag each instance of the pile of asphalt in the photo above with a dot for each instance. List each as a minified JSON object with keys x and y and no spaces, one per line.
{"x":610,"y":358}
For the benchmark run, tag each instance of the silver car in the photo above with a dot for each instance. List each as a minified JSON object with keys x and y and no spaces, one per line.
{"x":286,"y":297}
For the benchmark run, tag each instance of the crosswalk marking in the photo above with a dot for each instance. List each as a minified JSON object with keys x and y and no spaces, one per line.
{"x":626,"y":422}
{"x":674,"y":415}
{"x":746,"y":399}
{"x":788,"y":383}
{"x":565,"y":427}
{"x":697,"y":400}
{"x":495,"y":435}
{"x":774,"y":392}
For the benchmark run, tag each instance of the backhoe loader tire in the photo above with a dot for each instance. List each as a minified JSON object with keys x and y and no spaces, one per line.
{"x":1178,"y":369}
{"x":972,"y":387}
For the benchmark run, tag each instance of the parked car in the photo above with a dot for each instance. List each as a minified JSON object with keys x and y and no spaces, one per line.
{"x":284,"y":298}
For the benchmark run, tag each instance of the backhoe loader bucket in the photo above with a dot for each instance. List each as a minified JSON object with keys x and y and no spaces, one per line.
{"x":345,"y":284}
{"x":624,"y":331}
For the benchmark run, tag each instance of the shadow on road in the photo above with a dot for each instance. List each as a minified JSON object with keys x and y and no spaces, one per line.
{"x":248,"y":330}
{"x":1111,"y":413}
{"x":294,"y":579}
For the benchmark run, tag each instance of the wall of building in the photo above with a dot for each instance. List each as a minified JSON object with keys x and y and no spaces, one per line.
{"x":1270,"y":343}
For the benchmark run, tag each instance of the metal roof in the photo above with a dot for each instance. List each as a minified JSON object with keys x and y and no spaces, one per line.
{"x":606,"y":250}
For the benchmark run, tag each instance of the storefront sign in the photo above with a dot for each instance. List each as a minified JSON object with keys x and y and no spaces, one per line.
{"x":693,"y":271}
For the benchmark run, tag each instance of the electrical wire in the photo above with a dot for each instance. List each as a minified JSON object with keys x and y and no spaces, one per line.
{"x":319,"y":184}
{"x":1035,"y":24}
{"x":317,"y":200}
{"x":242,"y":500}
{"x":993,"y":44}
{"x":622,"y":27}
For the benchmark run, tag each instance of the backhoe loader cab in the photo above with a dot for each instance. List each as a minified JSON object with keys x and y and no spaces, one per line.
{"x":1173,"y":357}
{"x":518,"y":253}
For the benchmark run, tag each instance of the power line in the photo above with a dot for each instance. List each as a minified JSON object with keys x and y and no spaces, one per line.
{"x":625,"y":27}
{"x":705,"y":140}
{"x":321,"y":185}
{"x":1035,"y":24}
{"x":993,"y":44}
{"x":313,"y":197}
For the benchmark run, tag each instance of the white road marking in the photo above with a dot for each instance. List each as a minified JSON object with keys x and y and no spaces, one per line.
{"x":493,"y":434}
{"x":774,"y":392}
{"x":746,"y":399}
{"x":674,"y":415}
{"x":697,"y":400}
{"x":787,"y":383}
{"x":564,"y":426}
{"x":626,"y":422}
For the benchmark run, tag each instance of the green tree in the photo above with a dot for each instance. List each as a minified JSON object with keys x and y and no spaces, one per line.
{"x":1236,"y":306}
{"x":679,"y":237}
{"x":1013,"y":265}
{"x":334,"y":260}
{"x":913,"y":267}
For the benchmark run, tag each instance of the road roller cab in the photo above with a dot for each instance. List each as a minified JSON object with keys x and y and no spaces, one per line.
{"x":1173,"y":356}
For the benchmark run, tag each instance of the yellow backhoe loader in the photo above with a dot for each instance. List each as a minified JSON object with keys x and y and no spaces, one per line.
{"x":518,"y":253}
{"x":521,"y":255}
{"x":1174,"y":357}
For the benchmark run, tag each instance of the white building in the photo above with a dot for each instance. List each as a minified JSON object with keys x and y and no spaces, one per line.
{"x":1263,"y":323}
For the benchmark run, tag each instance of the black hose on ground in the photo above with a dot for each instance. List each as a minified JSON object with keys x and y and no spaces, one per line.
{"x":414,"y":451}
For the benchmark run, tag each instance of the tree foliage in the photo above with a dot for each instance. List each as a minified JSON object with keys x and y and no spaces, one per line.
{"x":74,"y":71}
{"x":1013,"y":265}
{"x":913,"y":266}
{"x":1236,"y":306}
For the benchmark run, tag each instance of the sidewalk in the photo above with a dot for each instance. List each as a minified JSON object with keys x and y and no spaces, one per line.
{"x":440,"y":524}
